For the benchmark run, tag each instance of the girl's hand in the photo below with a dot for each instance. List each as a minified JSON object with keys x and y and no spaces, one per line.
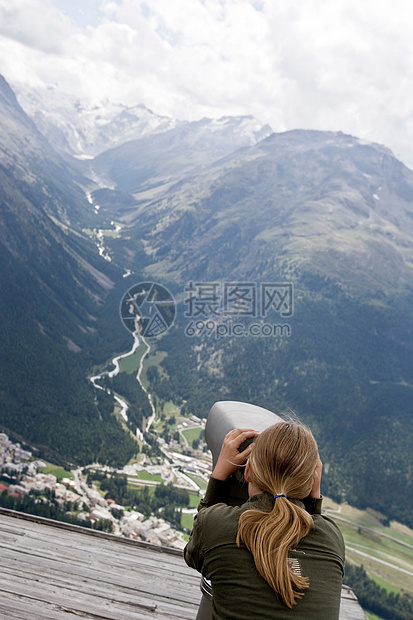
{"x":316,"y":488}
{"x":230,"y":459}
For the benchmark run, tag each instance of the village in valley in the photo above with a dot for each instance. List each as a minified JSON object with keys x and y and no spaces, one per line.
{"x":183,"y":462}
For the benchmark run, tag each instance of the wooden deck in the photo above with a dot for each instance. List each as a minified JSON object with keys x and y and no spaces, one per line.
{"x":53,"y":571}
{"x":49,"y":570}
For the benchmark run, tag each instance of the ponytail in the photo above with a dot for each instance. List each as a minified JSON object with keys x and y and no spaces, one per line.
{"x":269,"y":536}
{"x":283,"y":462}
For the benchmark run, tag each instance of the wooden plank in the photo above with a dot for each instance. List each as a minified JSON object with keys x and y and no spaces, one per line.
{"x":50,"y":572}
{"x":45,"y":548}
{"x":15,"y":609}
{"x":29,"y":519}
{"x":127,"y":579}
{"x":85,"y":609}
{"x":105,"y":591}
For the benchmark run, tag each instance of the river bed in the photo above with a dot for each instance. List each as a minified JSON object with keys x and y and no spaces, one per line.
{"x":138,"y":340}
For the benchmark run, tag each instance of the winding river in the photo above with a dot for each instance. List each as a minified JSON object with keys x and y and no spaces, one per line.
{"x":138,"y":341}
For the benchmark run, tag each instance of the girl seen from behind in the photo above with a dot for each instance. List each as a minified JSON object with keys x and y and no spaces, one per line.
{"x":275,"y":556}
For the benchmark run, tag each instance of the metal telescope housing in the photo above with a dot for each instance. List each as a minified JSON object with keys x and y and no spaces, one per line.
{"x":226,"y":415}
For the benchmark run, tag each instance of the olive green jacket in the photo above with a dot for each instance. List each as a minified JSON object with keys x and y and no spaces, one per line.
{"x":239,"y":591}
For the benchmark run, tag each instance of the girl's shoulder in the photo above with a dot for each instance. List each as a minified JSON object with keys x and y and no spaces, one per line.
{"x":325,"y":535}
{"x":219,"y":521}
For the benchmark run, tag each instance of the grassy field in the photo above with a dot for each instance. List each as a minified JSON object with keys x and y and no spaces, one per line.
{"x":134,"y":486}
{"x":145,"y":475}
{"x":385,"y":585}
{"x":194,"y":500}
{"x":187,"y":521}
{"x":59,"y":472}
{"x":385,"y":552}
{"x":372,"y":616}
{"x":130,"y":364}
{"x":199,"y":480}
{"x":170,"y":409}
{"x":153,"y":359}
{"x":192,"y":433}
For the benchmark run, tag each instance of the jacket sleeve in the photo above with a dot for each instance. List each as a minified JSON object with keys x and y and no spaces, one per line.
{"x":217,"y":492}
{"x":193,"y":552}
{"x":313,"y":505}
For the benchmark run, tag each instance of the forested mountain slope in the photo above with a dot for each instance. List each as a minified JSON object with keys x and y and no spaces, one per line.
{"x":52,"y":286}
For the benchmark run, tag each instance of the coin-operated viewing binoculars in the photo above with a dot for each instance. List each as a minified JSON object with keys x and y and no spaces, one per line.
{"x":223,"y":417}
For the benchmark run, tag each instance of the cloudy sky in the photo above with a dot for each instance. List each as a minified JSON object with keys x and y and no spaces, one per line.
{"x":341,"y":65}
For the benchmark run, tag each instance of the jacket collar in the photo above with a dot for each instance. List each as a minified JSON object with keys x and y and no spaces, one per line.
{"x":266,"y":501}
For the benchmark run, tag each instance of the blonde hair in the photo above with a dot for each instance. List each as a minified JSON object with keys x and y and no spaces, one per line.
{"x":283,"y":460}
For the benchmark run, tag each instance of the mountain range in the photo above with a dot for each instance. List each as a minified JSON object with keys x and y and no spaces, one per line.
{"x":302,"y":200}
{"x":52,"y":287}
{"x":215,"y":201}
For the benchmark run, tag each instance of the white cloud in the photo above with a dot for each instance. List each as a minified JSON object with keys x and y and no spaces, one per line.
{"x":344,"y":65}
{"x":36,"y":24}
